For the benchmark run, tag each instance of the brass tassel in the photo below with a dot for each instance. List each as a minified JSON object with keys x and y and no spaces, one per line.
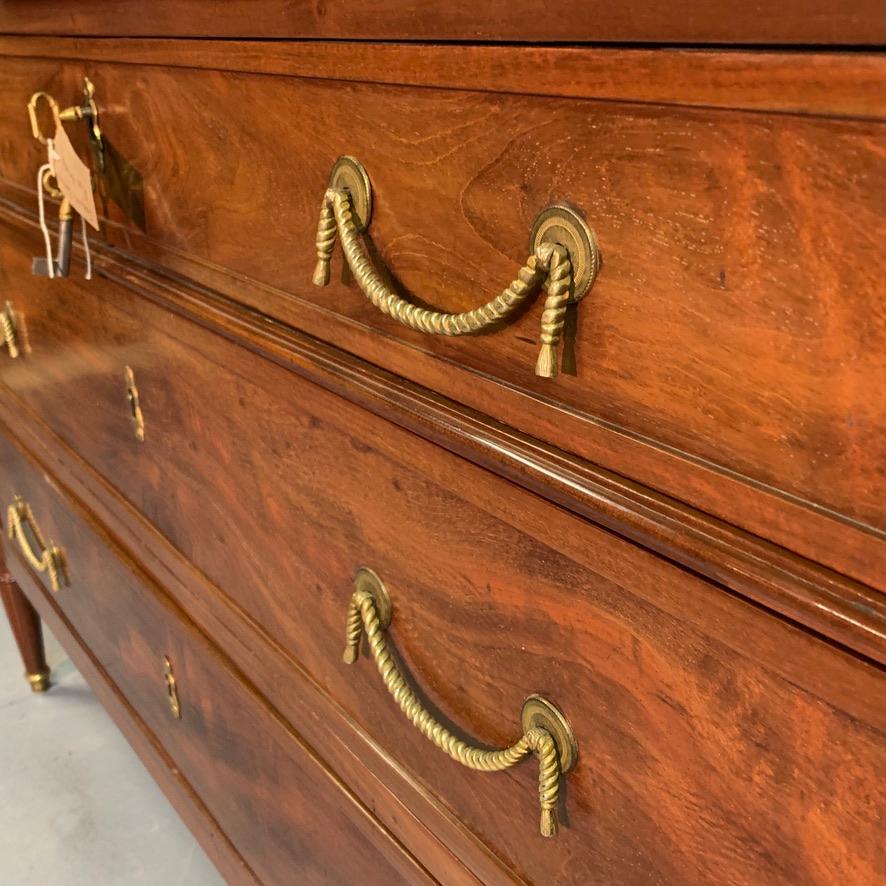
{"x":548,"y":825}
{"x":321,"y":272}
{"x":546,"y":365}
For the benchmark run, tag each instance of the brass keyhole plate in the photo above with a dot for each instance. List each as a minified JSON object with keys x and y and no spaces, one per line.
{"x":135,"y":411}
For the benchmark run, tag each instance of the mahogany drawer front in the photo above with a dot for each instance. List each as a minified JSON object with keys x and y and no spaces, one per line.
{"x":738,"y":317}
{"x":711,"y":735}
{"x":287,"y":816}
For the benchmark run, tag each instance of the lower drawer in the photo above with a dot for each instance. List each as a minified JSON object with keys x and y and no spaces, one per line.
{"x":285,"y":813}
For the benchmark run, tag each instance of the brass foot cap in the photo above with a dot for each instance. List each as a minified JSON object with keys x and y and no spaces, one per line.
{"x":39,"y":682}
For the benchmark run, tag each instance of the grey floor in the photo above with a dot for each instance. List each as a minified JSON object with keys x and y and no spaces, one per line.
{"x":76,"y":805}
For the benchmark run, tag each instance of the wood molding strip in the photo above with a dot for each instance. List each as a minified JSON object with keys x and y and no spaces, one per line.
{"x":849,"y":84}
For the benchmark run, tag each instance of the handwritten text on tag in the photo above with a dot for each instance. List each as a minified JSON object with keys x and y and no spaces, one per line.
{"x":72,"y":176}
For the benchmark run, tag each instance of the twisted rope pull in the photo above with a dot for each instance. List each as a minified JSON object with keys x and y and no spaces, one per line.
{"x":553,"y":318}
{"x":7,"y":322}
{"x":363,"y":616}
{"x":549,"y":268}
{"x":51,"y":559}
{"x":325,"y":242}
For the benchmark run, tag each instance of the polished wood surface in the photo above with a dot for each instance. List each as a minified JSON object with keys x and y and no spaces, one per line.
{"x":344,"y":489}
{"x":680,"y":540}
{"x":278,"y":804}
{"x":106,"y":327}
{"x":705,"y":333}
{"x":860,"y":22}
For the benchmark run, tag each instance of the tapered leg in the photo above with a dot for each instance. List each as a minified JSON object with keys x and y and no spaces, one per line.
{"x":27,"y":630}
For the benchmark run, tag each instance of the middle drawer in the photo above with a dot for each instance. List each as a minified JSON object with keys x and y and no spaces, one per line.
{"x":278,"y":491}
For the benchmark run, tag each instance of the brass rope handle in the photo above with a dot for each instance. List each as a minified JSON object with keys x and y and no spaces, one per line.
{"x":51,"y":559}
{"x":546,"y":732}
{"x":563,"y":261}
{"x":9,"y":329}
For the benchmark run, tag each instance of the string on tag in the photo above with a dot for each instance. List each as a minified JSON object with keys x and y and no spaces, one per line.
{"x":41,"y":205}
{"x":86,"y":248}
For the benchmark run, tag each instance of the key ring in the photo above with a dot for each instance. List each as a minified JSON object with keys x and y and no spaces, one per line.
{"x":51,"y":189}
{"x":32,"y":113}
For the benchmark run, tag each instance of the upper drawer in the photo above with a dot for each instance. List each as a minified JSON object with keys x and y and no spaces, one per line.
{"x":731,"y":336}
{"x":644,"y":21}
{"x":699,"y":718}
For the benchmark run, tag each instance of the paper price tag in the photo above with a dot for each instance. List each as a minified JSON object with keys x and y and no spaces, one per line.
{"x":72,"y":176}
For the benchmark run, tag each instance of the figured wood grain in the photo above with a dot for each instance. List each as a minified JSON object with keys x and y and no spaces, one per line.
{"x":685,"y":21}
{"x":420,"y":821}
{"x":716,"y":737}
{"x":829,"y":84}
{"x":283,"y":810}
{"x":832,"y":605}
{"x":737,"y":320}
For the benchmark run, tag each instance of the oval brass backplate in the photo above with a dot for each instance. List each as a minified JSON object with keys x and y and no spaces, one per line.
{"x":367,"y":580}
{"x":564,"y":226}
{"x":539,"y":712}
{"x":349,"y":175}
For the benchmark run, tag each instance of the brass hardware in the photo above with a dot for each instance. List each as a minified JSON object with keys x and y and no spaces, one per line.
{"x":349,"y":175}
{"x":135,"y":410}
{"x":51,"y":559}
{"x":171,"y":689}
{"x":9,"y":326}
{"x":546,"y":732}
{"x":46,"y":266}
{"x":561,"y":226}
{"x":87,"y":111}
{"x":40,"y":681}
{"x":35,"y":123}
{"x":564,"y":260}
{"x":539,"y":713}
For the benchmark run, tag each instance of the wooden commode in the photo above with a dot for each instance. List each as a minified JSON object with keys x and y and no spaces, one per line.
{"x":459,"y":452}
